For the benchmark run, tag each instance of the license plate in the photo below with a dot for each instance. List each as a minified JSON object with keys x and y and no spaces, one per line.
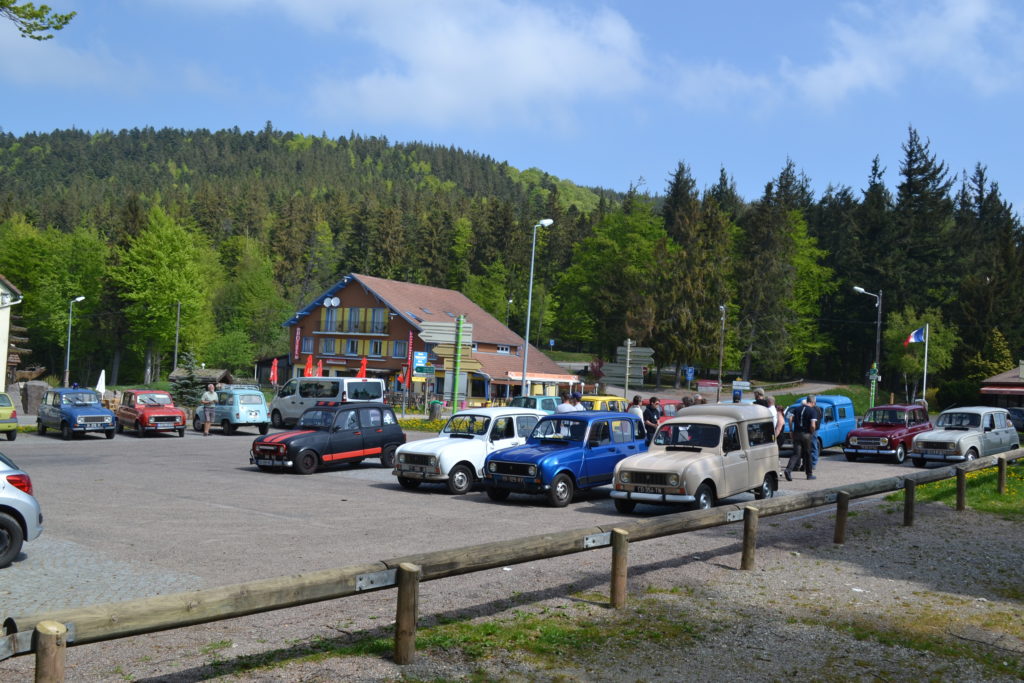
{"x":646,"y":489}
{"x":933,"y":451}
{"x":93,"y":426}
{"x":253,"y":414}
{"x":266,"y":463}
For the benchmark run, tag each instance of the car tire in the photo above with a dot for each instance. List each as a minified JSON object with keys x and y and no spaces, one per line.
{"x":901,"y":455}
{"x":387,"y":456}
{"x":497,"y":494}
{"x":705,"y":498}
{"x":460,"y":480}
{"x":227,"y":427}
{"x":625,"y":506}
{"x":306,"y":462}
{"x":920,"y":462}
{"x":109,"y":433}
{"x":139,"y":431}
{"x":65,"y":431}
{"x":275,"y":419}
{"x":12,"y":435}
{"x":11,"y":538}
{"x":766,"y":489}
{"x":851,"y":457}
{"x":197,"y":425}
{"x":972,"y":454}
{"x":40,"y":427}
{"x":408,"y":484}
{"x":561,"y":492}
{"x":181,"y":431}
{"x":264,"y":428}
{"x":119,"y":428}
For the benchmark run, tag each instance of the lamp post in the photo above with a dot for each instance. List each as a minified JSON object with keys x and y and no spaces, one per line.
{"x":721,"y":355}
{"x":529,"y":296}
{"x":508,"y":308}
{"x":878,"y":340}
{"x":67,"y":348}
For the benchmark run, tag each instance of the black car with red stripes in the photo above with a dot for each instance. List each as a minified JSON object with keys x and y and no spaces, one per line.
{"x":331,"y":433}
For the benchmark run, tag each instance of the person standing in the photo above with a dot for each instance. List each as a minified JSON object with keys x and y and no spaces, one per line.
{"x":759,"y":398}
{"x":636,"y":409}
{"x":652,"y":414}
{"x":780,"y":418}
{"x":571,"y":404}
{"x":209,"y":402}
{"x":802,"y":425}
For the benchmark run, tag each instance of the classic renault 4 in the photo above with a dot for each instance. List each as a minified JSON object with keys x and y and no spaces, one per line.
{"x":331,"y":433}
{"x":566,"y":452}
{"x":703,"y":454}
{"x":964,"y":434}
{"x":238,"y":405}
{"x":148,"y":411}
{"x":74,"y":411}
{"x":887,"y":431}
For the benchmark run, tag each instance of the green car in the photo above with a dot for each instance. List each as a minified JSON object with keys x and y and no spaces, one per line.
{"x":8,"y":417}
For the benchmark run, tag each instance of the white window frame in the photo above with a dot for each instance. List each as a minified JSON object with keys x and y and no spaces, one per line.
{"x":308,"y":344}
{"x":351,"y":347}
{"x":399,"y":348}
{"x":376,"y":348}
{"x":504,"y":348}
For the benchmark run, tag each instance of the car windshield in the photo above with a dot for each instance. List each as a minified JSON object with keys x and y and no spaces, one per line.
{"x":316,"y":419}
{"x":250,"y":399}
{"x":886,"y":416}
{"x":154,"y":400}
{"x":471,"y":425}
{"x":688,"y":434}
{"x":560,"y":429}
{"x":523,"y":402}
{"x":959,"y":420}
{"x":79,"y":398}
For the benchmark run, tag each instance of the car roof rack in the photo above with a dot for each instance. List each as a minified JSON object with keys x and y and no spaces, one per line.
{"x":254,"y":387}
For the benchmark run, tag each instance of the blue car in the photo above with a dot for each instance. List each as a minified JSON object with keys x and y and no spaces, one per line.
{"x":74,"y":412}
{"x":238,"y":405}
{"x":837,"y":421}
{"x":565,"y":452}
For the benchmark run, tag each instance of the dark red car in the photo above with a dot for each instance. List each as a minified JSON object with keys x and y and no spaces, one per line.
{"x":148,"y":411}
{"x":887,"y":432}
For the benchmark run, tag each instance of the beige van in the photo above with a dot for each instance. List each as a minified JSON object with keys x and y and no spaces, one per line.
{"x":703,"y":454}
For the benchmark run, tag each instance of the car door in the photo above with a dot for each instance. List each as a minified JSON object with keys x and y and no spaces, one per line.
{"x":599,"y":455}
{"x":524,"y":426}
{"x":992,"y":438}
{"x":286,"y":401}
{"x":49,"y":409}
{"x":503,"y":434}
{"x":345,"y":440}
{"x":127,"y":413}
{"x":735,"y":463}
{"x":828,"y":429}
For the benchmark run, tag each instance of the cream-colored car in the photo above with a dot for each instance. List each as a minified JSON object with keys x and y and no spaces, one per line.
{"x":704,"y":454}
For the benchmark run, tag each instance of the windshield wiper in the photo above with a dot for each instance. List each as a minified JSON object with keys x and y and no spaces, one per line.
{"x":692,"y":449}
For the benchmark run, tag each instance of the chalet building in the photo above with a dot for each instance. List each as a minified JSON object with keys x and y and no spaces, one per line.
{"x":1005,"y":390}
{"x":10,"y":353}
{"x":381,"y":320}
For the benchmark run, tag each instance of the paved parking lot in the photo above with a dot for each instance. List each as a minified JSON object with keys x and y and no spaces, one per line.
{"x":136,"y":517}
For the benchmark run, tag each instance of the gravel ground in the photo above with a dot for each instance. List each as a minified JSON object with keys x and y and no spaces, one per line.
{"x":810,"y":610}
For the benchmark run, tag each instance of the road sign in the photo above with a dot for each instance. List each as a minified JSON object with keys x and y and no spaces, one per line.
{"x":440,"y":333}
{"x":643,"y":355}
{"x":425,"y":370}
{"x":689,"y":373}
{"x":741,"y":384}
{"x":467,"y":364}
{"x":448,"y":350}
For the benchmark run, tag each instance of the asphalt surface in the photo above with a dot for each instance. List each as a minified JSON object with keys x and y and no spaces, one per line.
{"x":132,"y":517}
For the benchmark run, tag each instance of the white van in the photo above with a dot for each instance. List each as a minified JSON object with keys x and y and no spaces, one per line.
{"x":300,"y":393}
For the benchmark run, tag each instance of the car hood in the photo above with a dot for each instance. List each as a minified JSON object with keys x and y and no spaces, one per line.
{"x":285,"y":437}
{"x":533,"y":452}
{"x":877,"y":430}
{"x":161,"y":410}
{"x":663,"y":461}
{"x":439,"y":444}
{"x":946,"y":434}
{"x":94,"y":409}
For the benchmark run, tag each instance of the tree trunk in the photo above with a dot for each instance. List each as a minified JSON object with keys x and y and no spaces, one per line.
{"x":679,"y":375}
{"x":147,"y":373}
{"x":115,"y":365}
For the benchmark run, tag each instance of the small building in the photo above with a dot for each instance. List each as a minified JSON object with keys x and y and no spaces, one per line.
{"x":1005,"y":390}
{"x":9,"y":353}
{"x":364,"y":317}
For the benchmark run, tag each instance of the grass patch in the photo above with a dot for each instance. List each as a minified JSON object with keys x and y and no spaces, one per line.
{"x":981,"y":492}
{"x":859,"y":395}
{"x":570,"y":357}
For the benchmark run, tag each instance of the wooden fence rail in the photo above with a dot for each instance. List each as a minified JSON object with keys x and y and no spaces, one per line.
{"x":147,"y":615}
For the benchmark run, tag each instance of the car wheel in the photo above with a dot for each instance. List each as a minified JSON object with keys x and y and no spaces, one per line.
{"x":275,"y":419}
{"x":65,"y":431}
{"x":109,"y":433}
{"x":972,"y":455}
{"x":920,"y":462}
{"x":40,"y":427}
{"x":625,"y":506}
{"x":705,"y":498}
{"x":851,"y":457}
{"x":227,"y":427}
{"x":497,"y":494}
{"x":11,"y":538}
{"x":12,"y":435}
{"x":766,"y":489}
{"x":460,"y":480}
{"x":901,"y":454}
{"x":407,"y":483}
{"x":306,"y":462}
{"x":561,"y":491}
{"x":119,"y":428}
{"x":181,"y":431}
{"x":197,"y":425}
{"x":264,"y":428}
{"x":387,"y":456}
{"x":138,"y":429}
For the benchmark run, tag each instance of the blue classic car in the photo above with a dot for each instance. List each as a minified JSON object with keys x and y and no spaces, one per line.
{"x":75,"y":411}
{"x":837,"y":421}
{"x":238,"y":405}
{"x":565,"y":452}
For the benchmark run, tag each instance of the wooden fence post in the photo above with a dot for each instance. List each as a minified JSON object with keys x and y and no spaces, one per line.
{"x":51,"y":646}
{"x":842,"y":509}
{"x":961,"y":490}
{"x":909,"y":499}
{"x":750,"y":517}
{"x":405,"y":617}
{"x":620,"y":567}
{"x":1001,"y":487}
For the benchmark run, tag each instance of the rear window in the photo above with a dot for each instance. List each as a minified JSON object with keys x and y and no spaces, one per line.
{"x":250,"y":400}
{"x":364,"y":391}
{"x":5,"y":401}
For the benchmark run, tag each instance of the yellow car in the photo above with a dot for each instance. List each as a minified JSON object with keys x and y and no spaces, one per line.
{"x":8,"y":417}
{"x":614,"y":403}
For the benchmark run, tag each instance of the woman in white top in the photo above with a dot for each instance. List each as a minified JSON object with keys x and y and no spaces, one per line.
{"x":209,"y":401}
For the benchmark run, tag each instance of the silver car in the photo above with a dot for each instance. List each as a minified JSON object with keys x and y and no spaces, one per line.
{"x":963,"y":434}
{"x":20,"y":517}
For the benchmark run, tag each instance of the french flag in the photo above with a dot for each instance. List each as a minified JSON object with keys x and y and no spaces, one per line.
{"x":915,"y":336}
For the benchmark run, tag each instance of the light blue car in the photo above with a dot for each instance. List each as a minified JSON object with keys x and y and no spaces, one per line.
{"x":837,"y":421}
{"x":238,"y":405}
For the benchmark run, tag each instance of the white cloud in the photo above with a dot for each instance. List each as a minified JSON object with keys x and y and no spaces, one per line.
{"x":720,"y":87}
{"x":51,"y":63}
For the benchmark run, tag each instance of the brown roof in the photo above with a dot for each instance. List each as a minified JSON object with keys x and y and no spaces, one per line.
{"x":7,"y":283}
{"x":499,"y":365}
{"x":433,"y":304}
{"x":1014,"y":376}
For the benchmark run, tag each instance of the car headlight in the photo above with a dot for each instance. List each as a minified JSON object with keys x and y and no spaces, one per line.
{"x":624,"y":477}
{"x":883,"y":441}
{"x":79,"y":420}
{"x":492,"y":466}
{"x":673,"y":480}
{"x":951,"y":446}
{"x":401,"y":457}
{"x":853,"y":441}
{"x":531,"y":471}
{"x":433,"y":461}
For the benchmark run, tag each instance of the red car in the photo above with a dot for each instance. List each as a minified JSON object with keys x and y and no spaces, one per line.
{"x":148,"y":411}
{"x":887,"y":432}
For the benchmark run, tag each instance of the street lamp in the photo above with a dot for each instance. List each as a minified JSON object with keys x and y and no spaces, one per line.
{"x":878,"y":338}
{"x":508,"y":308}
{"x":67,"y":348}
{"x":721,"y":355}
{"x":547,"y":222}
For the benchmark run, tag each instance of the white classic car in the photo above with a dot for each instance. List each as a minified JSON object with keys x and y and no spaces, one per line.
{"x":456,"y":455}
{"x":963,"y":434}
{"x":701,"y":455}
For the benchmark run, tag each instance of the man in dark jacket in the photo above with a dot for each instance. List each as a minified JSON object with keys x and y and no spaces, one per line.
{"x":803,"y":422}
{"x":651,"y":416}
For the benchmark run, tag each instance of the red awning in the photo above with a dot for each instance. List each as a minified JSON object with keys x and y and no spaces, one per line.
{"x":1003,"y":390}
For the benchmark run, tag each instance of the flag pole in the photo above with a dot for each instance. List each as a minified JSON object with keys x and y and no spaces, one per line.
{"x":924,"y":388}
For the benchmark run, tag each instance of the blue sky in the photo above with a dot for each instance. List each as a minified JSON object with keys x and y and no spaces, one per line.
{"x":604,"y":94}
